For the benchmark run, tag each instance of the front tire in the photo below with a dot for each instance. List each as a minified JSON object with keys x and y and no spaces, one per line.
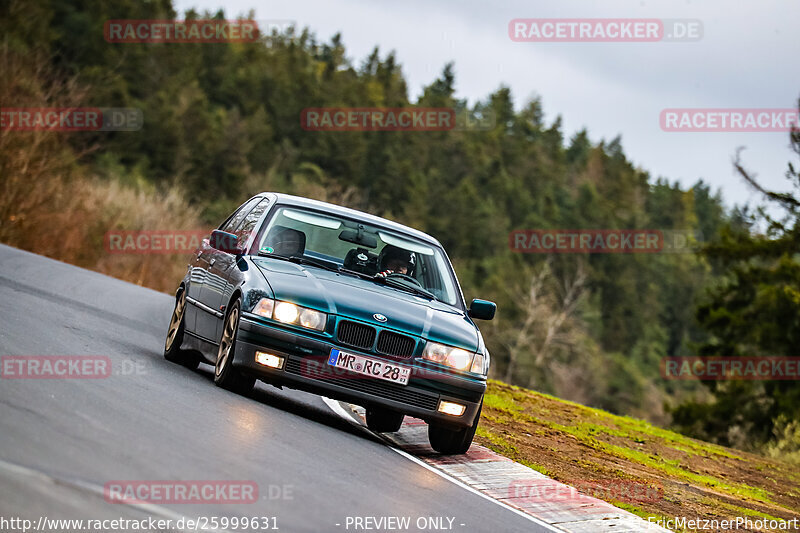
{"x":382,"y":420}
{"x":172,"y":346}
{"x":225,"y":374}
{"x":448,"y":441}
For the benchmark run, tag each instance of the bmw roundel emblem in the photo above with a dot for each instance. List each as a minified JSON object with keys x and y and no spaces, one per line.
{"x":379,"y":317}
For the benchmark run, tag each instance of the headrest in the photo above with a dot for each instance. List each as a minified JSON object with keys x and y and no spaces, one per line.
{"x":286,"y":241}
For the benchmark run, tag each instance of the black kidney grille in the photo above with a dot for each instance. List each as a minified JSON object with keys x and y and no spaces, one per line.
{"x":397,"y":345}
{"x":355,"y":334}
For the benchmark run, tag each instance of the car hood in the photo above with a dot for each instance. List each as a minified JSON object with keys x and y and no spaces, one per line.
{"x":349,"y":296}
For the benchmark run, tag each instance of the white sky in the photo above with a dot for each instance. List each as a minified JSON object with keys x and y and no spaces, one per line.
{"x":748,"y":58}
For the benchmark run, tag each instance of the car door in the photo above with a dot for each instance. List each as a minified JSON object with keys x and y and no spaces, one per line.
{"x":208,"y":312}
{"x":225,"y":272}
{"x":197,"y":275}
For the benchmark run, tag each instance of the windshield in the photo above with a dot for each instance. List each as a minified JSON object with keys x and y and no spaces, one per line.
{"x":392,"y":258}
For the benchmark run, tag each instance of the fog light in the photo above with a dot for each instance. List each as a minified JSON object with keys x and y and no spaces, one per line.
{"x":270,"y":360}
{"x":451,"y":408}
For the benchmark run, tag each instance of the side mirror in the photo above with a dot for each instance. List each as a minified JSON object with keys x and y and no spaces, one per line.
{"x":482,"y":309}
{"x":225,"y":242}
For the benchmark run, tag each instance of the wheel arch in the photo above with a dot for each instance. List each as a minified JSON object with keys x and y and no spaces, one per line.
{"x":235,"y":295}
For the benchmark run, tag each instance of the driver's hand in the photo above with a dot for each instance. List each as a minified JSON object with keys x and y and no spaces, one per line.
{"x":384,"y":273}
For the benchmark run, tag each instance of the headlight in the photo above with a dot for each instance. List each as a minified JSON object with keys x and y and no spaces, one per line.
{"x":286,"y":313}
{"x":289,"y":313}
{"x":448,"y":355}
{"x":312,"y":319}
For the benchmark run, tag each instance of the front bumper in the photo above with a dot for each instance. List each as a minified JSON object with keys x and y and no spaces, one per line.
{"x":305,"y":368}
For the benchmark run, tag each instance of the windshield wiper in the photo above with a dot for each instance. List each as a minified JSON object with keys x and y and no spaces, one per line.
{"x":356,"y":273}
{"x":392,"y":282}
{"x":411,"y":288}
{"x":301,"y":260}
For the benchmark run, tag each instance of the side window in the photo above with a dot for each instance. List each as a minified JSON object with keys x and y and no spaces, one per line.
{"x":232,"y":223}
{"x":250,"y":221}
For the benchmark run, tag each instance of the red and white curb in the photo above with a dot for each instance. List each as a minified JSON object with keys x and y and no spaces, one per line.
{"x":513,"y":485}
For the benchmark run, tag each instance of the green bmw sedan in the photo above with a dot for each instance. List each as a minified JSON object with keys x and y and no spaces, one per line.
{"x":337,"y":302}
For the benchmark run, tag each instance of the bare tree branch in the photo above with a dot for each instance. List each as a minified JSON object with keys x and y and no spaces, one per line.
{"x":786,"y":199}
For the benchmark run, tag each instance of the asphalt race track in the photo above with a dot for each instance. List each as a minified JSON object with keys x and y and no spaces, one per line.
{"x":62,"y":440}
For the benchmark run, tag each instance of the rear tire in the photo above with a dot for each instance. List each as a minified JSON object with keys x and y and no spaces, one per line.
{"x":381,"y":420}
{"x":449,"y":441}
{"x":172,"y":346}
{"x":225,"y":374}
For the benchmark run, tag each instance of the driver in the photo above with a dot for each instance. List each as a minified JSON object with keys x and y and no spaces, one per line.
{"x":394,"y":260}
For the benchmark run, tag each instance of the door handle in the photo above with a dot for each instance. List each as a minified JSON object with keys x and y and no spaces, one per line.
{"x":213,"y":260}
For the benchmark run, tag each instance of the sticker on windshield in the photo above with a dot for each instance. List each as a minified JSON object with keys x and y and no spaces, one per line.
{"x":266,"y":249}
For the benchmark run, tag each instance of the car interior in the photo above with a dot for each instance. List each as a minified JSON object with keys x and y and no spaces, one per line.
{"x":361,"y":260}
{"x":286,"y":241}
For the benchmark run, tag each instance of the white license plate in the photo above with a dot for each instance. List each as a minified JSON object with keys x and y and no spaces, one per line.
{"x":367,"y":366}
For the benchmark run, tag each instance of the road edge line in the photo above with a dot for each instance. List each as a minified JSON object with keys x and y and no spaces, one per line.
{"x":337,"y":408}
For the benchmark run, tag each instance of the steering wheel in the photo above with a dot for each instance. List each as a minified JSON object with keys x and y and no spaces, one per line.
{"x":405,"y":277}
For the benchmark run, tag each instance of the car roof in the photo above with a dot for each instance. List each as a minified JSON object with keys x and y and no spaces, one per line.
{"x":299,"y":201}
